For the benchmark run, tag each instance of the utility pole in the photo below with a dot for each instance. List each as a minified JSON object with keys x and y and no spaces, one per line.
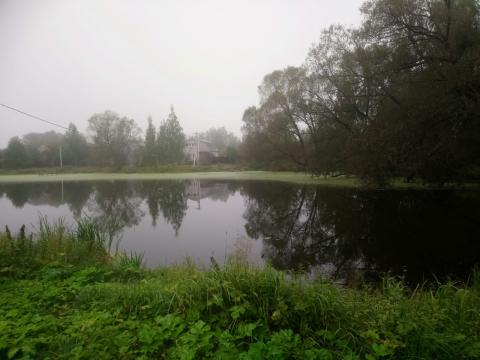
{"x":196,"y":152}
{"x":61,"y":157}
{"x":195,"y":159}
{"x":198,"y":149}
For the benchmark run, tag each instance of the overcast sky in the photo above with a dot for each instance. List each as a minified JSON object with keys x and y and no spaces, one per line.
{"x":64,"y":60}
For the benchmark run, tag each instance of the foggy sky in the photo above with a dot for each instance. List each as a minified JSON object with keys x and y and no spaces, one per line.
{"x":64,"y":60}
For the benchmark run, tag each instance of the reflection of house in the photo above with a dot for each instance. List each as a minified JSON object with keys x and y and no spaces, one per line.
{"x":214,"y":191}
{"x":200,"y":151}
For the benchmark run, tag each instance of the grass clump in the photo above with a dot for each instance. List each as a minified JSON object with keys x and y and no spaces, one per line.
{"x":87,"y":243}
{"x":110,"y":307}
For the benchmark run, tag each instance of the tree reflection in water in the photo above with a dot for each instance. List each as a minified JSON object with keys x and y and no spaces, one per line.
{"x":336,"y":231}
{"x":168,"y":198}
{"x":288,"y":219}
{"x":115,"y":205}
{"x":75,"y":195}
{"x":414,"y":234}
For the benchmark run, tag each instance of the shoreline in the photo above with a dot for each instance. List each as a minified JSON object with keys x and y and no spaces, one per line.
{"x":246,"y":175}
{"x":205,"y":175}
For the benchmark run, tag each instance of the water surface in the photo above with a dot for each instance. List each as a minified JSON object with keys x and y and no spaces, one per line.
{"x":342,"y":233}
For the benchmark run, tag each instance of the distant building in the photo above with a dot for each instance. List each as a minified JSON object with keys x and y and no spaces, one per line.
{"x":200,"y":151}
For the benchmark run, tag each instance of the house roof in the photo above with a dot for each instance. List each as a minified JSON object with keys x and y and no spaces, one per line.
{"x":204,"y":145}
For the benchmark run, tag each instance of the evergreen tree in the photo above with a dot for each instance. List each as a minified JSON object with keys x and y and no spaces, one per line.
{"x":171,"y":140}
{"x":149,"y":150}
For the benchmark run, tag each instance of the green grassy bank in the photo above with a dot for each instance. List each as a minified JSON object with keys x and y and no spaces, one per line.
{"x":63,"y":296}
{"x":294,"y":177}
{"x":283,"y":176}
{"x":186,"y":172}
{"x":128,"y":170}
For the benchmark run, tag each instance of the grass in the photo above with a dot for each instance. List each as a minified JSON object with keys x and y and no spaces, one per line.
{"x":63,"y":295}
{"x":129,"y":170}
{"x":188,"y":172}
{"x":282,"y":176}
{"x":293,"y":177}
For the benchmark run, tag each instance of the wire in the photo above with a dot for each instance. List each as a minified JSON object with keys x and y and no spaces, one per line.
{"x":33,"y":116}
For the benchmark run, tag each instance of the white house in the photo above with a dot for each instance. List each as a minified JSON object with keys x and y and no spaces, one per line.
{"x":200,"y":151}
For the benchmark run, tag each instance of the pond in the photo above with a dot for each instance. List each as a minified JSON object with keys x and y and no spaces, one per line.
{"x":343,"y":233}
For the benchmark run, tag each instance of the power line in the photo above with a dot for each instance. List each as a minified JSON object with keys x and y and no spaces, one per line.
{"x":33,"y":116}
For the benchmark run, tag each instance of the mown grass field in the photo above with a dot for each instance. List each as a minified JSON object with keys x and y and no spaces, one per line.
{"x":64,"y":296}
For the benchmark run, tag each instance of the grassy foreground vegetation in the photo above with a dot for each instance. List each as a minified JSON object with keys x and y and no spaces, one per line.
{"x":62,"y":295}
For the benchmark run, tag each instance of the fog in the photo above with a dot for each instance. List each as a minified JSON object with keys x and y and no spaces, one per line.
{"x":65,"y":60}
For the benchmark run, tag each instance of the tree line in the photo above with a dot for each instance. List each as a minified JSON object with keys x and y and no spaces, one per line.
{"x":394,"y":98}
{"x":397,"y":97}
{"x":114,"y":141}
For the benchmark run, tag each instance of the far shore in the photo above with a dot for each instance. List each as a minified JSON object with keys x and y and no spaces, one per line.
{"x":293,"y":177}
{"x":282,"y":176}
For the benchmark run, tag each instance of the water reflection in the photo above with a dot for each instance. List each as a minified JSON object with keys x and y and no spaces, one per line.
{"x":167,"y":198}
{"x":339,"y":232}
{"x":416,"y":234}
{"x":289,"y":220}
{"x":115,"y":204}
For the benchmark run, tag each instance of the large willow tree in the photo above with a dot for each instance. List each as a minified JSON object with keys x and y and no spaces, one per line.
{"x":396,"y":97}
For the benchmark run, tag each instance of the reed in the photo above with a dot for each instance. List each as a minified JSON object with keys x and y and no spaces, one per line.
{"x":87,"y":242}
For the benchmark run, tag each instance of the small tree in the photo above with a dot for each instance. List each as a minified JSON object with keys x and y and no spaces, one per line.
{"x":171,"y":140}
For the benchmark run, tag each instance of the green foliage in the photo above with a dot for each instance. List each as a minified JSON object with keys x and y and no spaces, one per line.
{"x":149,"y":149}
{"x":131,"y":260}
{"x":396,"y":97}
{"x":55,"y":304}
{"x":221,"y":139}
{"x":171,"y":140}
{"x":231,"y":154}
{"x":75,"y":147}
{"x":54,"y":243}
{"x":15,"y":154}
{"x":115,"y":139}
{"x":43,"y":149}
